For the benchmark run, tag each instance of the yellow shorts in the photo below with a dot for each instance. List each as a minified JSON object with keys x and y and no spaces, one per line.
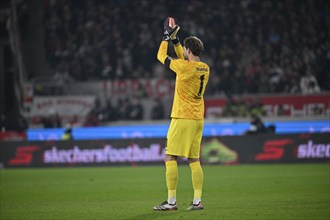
{"x":184,"y":138}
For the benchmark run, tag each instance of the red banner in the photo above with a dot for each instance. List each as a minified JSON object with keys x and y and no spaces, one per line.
{"x":12,"y":136}
{"x":292,"y":105}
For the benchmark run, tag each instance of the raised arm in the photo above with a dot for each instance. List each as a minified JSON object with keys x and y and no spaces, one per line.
{"x":176,"y":42}
{"x":162,"y":51}
{"x":170,"y":31}
{"x":178,"y":49}
{"x":162,"y":54}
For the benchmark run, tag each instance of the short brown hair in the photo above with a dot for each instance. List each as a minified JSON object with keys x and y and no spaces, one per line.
{"x":194,"y":44}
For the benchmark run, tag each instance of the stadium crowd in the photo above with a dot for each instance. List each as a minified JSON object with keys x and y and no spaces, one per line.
{"x":252,"y":46}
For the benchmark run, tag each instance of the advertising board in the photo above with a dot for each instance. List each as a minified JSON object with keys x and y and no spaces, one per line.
{"x":249,"y":149}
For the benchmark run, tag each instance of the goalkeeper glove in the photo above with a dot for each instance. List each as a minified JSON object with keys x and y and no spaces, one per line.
{"x":166,"y":35}
{"x":173,"y":36}
{"x":170,"y":29}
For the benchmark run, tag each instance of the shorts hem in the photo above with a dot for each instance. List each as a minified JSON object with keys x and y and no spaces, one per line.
{"x":180,"y":155}
{"x":177,"y":155}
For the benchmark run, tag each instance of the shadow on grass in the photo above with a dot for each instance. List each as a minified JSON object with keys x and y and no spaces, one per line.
{"x":179,"y":214}
{"x":157,"y":215}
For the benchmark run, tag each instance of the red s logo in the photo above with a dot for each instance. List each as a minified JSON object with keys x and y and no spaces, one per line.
{"x":24,"y":155}
{"x":273,"y":150}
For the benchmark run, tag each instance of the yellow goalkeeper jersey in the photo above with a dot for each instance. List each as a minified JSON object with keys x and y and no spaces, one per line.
{"x":191,"y":80}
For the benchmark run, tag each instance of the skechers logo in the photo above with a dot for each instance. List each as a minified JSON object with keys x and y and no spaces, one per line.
{"x":313,"y":150}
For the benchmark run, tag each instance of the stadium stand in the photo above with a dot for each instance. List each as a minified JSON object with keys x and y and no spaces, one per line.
{"x":252,"y":46}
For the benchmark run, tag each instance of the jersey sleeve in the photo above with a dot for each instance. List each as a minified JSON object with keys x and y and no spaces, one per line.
{"x":162,"y":52}
{"x":179,"y":50}
{"x":174,"y":64}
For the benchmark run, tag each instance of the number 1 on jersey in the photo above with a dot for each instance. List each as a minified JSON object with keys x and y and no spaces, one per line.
{"x":201,"y":85}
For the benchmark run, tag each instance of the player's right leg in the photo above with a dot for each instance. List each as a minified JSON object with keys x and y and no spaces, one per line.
{"x":171,"y":182}
{"x":165,"y":206}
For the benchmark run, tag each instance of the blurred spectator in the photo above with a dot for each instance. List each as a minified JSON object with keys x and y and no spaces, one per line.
{"x":141,"y":92}
{"x":308,"y":84}
{"x":280,"y":110}
{"x":109,"y":112}
{"x":67,"y":135}
{"x":240,"y":107}
{"x":91,"y":120}
{"x":276,"y":75}
{"x":230,"y":108}
{"x":74,"y":121}
{"x":135,"y":110}
{"x":158,"y":111}
{"x":63,"y":79}
{"x":53,"y":120}
{"x":257,"y":126}
{"x":94,"y":117}
{"x":122,"y":106}
{"x":256,"y":108}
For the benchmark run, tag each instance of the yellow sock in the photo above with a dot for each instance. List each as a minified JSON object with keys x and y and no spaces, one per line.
{"x":171,"y":178}
{"x":197,"y":177}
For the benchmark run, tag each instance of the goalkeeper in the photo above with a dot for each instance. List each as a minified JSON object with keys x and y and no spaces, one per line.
{"x":187,"y":117}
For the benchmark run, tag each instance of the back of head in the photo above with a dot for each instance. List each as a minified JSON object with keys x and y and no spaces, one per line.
{"x":194,"y":44}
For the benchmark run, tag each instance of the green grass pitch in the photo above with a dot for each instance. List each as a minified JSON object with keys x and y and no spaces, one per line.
{"x":290,"y":191}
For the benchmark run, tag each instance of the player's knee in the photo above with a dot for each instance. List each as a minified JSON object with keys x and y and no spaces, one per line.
{"x":169,"y":157}
{"x":193,"y":160}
